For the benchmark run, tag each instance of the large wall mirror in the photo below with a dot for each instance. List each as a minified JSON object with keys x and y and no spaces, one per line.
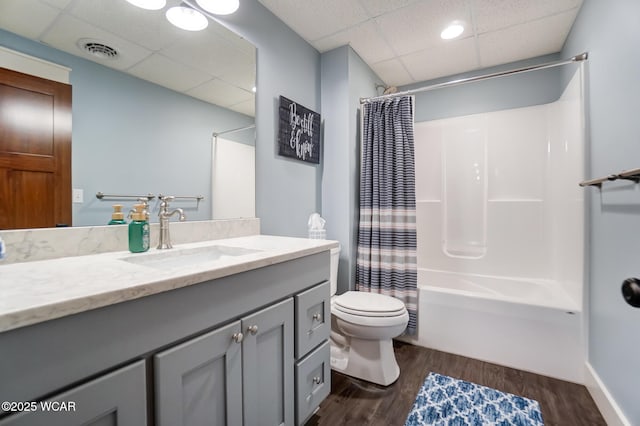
{"x":146,"y":107}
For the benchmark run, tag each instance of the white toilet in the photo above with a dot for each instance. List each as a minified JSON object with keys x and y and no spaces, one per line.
{"x":362,"y":326}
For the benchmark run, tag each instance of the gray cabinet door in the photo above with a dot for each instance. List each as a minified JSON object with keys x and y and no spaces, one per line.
{"x":117,"y":398}
{"x":267,"y":366}
{"x":199,"y":382}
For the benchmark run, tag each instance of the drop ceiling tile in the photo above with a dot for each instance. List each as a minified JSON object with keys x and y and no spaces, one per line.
{"x":67,"y":30}
{"x":242,"y":75}
{"x":448,"y":58}
{"x":525,"y":41}
{"x":364,"y":39}
{"x":392,"y":72}
{"x":492,"y":15}
{"x":28,"y":18}
{"x":206,"y":51}
{"x":238,"y":41}
{"x":313,"y":20}
{"x":60,"y":4}
{"x":165,"y":72}
{"x":148,"y":28}
{"x":220,"y":93}
{"x":418,"y":26}
{"x":378,"y":7}
{"x":246,"y":108}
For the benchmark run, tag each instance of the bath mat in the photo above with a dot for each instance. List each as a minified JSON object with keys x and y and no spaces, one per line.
{"x":445,"y":401}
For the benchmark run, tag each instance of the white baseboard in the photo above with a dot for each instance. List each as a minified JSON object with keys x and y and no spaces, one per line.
{"x":608,"y":407}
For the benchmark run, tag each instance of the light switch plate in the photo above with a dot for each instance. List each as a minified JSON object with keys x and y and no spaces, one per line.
{"x":78,"y":195}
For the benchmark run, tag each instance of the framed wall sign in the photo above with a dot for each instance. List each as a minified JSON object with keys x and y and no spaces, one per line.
{"x":299,"y":132}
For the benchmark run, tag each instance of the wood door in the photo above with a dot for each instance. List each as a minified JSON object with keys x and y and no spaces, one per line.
{"x":35,"y":151}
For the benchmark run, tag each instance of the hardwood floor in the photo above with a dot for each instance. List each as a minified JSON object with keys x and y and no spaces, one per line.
{"x":354,"y":402}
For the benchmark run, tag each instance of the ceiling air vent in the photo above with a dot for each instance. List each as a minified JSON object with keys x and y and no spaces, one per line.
{"x":98,"y":49}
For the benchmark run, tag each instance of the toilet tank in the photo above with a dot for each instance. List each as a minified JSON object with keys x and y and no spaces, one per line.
{"x":333,"y":277}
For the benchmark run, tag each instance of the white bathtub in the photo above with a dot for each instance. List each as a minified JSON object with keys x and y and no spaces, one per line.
{"x":531,"y":325}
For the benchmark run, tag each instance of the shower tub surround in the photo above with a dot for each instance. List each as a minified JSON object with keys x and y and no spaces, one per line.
{"x":500,"y":220}
{"x":522,"y":323}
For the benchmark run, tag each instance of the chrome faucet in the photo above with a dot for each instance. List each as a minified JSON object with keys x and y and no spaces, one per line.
{"x":164,"y":214}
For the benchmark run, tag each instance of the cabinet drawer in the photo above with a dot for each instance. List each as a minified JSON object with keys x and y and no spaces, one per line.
{"x":313,"y":318}
{"x":117,"y":398}
{"x":313,"y":381}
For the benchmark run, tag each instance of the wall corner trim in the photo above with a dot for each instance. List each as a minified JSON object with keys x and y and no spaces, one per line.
{"x":608,"y":407}
{"x":28,"y":64}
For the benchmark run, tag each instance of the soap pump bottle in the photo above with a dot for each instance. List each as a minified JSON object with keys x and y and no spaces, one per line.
{"x":138,"y":230}
{"x":117,"y":217}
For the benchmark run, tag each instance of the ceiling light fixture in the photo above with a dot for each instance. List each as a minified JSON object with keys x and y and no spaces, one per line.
{"x":454,"y":30}
{"x":219,"y":7}
{"x":149,"y":4}
{"x":187,"y":18}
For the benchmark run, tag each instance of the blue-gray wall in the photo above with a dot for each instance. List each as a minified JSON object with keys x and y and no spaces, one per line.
{"x":135,"y":137}
{"x":345,"y":79}
{"x":336,"y":197}
{"x":610,"y":31}
{"x":287,"y":191}
{"x":514,"y":91}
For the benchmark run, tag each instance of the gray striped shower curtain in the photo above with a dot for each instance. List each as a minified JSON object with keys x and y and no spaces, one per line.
{"x":386,"y":261}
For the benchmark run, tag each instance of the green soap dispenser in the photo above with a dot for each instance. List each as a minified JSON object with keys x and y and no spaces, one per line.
{"x":138,"y":230}
{"x":117,"y":217}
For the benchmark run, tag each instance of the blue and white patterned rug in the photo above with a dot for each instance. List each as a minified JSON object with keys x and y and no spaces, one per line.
{"x":445,"y":401}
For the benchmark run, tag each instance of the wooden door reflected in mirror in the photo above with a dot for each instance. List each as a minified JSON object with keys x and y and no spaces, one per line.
{"x":35,"y":152}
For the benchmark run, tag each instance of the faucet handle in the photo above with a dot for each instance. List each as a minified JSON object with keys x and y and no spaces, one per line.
{"x":166,"y":198}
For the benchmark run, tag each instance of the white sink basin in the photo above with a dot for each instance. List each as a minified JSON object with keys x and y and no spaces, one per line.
{"x":179,"y":258}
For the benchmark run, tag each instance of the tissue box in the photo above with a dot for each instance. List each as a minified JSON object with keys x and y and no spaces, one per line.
{"x":318,"y":234}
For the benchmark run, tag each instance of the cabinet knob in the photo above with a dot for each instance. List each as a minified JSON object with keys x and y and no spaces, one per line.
{"x":317,"y":316}
{"x":253,"y":329}
{"x":317,"y":380}
{"x":237,"y":337}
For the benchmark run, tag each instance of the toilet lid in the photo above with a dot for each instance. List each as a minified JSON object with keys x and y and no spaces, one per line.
{"x":369,"y":304}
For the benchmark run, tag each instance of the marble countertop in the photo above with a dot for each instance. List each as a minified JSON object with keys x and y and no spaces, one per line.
{"x":38,"y":291}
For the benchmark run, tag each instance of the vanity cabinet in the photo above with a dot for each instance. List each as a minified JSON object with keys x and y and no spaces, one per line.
{"x":200,"y":381}
{"x":267,"y":366}
{"x":313,"y":381}
{"x":239,"y":374}
{"x":117,"y":398}
{"x":313,"y":371}
{"x":246,"y":349}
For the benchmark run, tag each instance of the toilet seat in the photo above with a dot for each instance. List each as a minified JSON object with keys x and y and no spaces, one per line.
{"x":372,"y":321}
{"x":369,"y":309}
{"x":369,"y":304}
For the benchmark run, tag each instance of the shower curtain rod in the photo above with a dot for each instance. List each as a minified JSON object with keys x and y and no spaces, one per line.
{"x":239,"y":129}
{"x":578,"y":58}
